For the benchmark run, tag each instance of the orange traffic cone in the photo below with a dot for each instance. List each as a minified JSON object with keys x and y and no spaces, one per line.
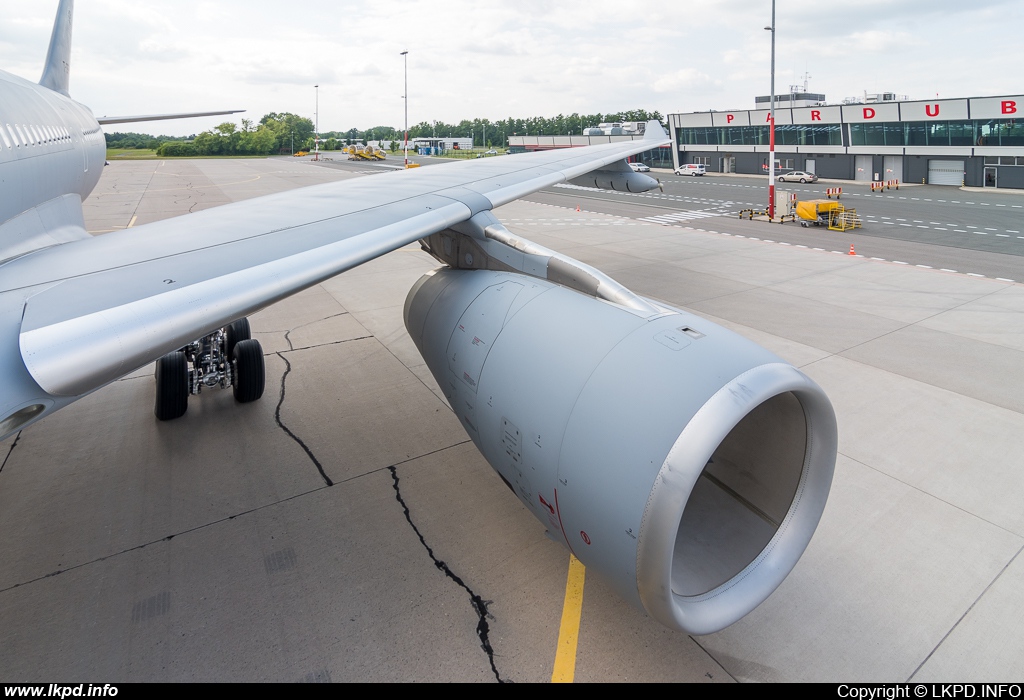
{"x":851,"y":249}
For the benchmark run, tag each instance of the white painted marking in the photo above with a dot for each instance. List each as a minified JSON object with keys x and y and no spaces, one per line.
{"x":974,"y":274}
{"x":1003,"y":279}
{"x":946,"y":269}
{"x":926,"y":267}
{"x":900,"y":262}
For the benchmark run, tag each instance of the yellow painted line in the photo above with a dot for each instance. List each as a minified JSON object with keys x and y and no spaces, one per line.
{"x":569,"y":631}
{"x":132,"y":222}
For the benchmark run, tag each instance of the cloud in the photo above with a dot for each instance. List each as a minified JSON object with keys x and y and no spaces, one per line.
{"x":494,"y":59}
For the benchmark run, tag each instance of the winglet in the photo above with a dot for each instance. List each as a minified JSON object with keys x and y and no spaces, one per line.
{"x":57,"y":70}
{"x":654,"y":131}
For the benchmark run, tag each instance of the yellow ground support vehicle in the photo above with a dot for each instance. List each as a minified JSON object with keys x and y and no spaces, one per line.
{"x":827,"y":212}
{"x":364,"y":153}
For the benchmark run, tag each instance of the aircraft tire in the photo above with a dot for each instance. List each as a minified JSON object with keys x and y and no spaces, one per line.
{"x":236,"y":332}
{"x":250,"y":372}
{"x":171,"y":386}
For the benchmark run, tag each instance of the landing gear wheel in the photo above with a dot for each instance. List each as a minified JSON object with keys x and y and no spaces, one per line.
{"x":172,"y":386}
{"x":237,"y":331}
{"x":250,"y":373}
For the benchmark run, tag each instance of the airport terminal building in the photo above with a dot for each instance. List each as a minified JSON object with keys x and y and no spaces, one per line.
{"x":975,"y":141}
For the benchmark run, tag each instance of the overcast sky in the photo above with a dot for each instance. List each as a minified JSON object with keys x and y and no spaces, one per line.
{"x":495,"y":59}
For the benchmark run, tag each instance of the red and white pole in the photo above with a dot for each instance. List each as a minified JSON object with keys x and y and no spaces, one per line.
{"x":771,"y":128}
{"x":771,"y":164}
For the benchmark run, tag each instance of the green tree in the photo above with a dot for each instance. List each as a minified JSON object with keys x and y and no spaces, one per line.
{"x":285,"y":126}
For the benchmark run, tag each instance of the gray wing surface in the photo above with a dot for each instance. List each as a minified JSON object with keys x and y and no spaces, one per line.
{"x":99,"y":308}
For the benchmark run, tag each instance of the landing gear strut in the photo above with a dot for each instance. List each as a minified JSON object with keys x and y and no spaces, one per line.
{"x":226,"y":357}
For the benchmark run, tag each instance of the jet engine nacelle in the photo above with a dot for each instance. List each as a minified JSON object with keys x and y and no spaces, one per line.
{"x":684,"y":463}
{"x":618,"y":180}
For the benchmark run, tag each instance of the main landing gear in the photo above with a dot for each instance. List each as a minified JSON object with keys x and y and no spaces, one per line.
{"x":226,"y":357}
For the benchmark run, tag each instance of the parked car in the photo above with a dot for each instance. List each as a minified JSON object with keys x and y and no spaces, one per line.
{"x":639,"y":168}
{"x":797,"y":176}
{"x":694,"y":169}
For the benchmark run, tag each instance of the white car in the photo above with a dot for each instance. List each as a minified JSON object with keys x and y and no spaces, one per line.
{"x":639,"y":168}
{"x":694,"y":169}
{"x":797,"y":175}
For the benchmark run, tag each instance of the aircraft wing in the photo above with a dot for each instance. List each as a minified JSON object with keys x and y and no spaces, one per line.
{"x":97,"y":309}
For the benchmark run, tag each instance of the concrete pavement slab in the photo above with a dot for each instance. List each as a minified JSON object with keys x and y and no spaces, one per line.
{"x":991,"y":373}
{"x":357,"y":408}
{"x":961,"y":450}
{"x":806,"y":321}
{"x":986,"y":645}
{"x":994,"y":318}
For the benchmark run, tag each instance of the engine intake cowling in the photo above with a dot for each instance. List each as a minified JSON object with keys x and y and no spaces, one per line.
{"x":685,"y":464}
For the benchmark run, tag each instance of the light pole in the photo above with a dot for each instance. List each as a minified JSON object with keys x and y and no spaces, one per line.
{"x":316,"y":126}
{"x":405,"y":58}
{"x":771,"y":128}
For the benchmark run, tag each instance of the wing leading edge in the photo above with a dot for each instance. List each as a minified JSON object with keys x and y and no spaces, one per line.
{"x":97,"y":309}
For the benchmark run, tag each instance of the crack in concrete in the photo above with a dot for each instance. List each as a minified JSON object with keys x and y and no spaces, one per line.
{"x":10,"y":450}
{"x":293,"y":436}
{"x":479,"y":604}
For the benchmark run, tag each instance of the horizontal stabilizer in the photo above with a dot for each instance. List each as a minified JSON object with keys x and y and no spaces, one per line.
{"x":160,"y":117}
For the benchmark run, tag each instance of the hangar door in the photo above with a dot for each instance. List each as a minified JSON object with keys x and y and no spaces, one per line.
{"x":946,"y":172}
{"x":892,"y":168}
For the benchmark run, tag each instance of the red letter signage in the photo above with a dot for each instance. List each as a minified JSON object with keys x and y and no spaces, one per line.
{"x":815,"y":115}
{"x":729,"y":118}
{"x":869,"y":113}
{"x":1009,"y":107}
{"x":929,"y":112}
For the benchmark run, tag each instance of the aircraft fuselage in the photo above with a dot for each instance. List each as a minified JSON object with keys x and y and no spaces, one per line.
{"x":50,"y":146}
